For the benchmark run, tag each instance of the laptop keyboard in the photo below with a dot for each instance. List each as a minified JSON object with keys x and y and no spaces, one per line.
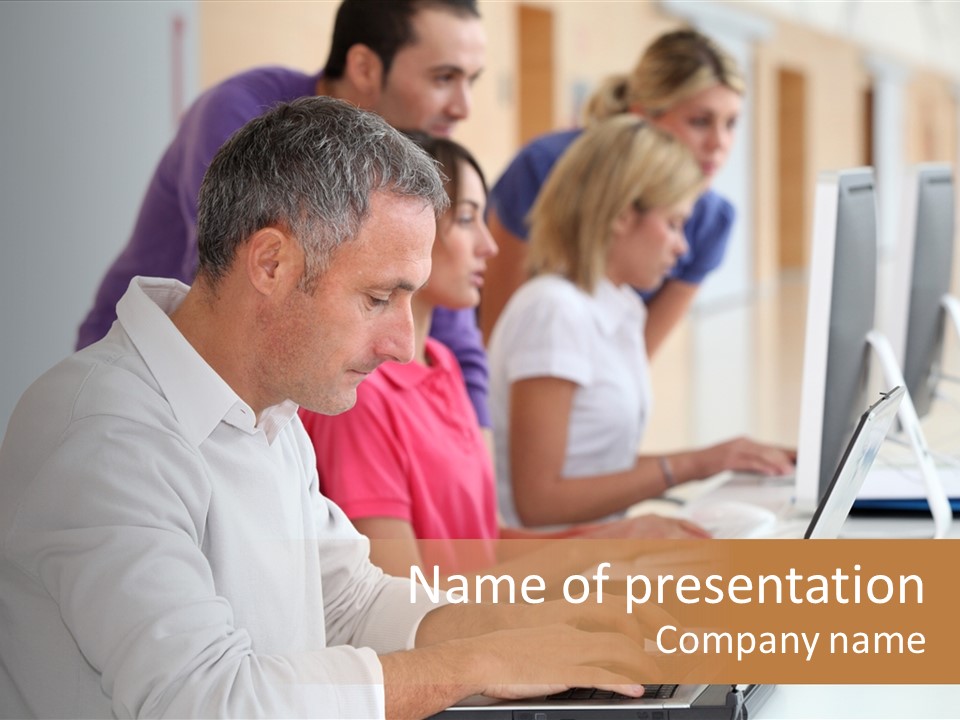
{"x":656,"y":692}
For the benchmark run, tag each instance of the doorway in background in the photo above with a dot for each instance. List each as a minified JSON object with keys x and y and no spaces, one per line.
{"x":535,"y":92}
{"x":792,"y":221}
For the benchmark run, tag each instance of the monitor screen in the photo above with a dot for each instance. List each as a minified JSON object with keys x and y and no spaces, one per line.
{"x":922,"y":267}
{"x":840,"y":313}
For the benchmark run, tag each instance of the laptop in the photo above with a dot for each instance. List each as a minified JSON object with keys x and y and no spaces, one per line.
{"x":858,"y":457}
{"x":734,"y":510}
{"x":703,"y":702}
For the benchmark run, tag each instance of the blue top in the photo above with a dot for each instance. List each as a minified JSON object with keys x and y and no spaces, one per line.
{"x":707,"y":230}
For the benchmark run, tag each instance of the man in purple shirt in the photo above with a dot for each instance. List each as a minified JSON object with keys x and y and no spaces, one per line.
{"x":411,"y":61}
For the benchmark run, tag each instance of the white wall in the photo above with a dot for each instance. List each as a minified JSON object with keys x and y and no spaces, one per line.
{"x":86,"y":108}
{"x":920,"y":31}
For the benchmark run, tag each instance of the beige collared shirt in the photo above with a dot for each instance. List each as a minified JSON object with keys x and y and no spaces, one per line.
{"x":164,"y":554}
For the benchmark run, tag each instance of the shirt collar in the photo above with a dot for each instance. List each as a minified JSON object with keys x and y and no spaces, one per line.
{"x":408,"y":375}
{"x":616,"y":306}
{"x":199,"y":397}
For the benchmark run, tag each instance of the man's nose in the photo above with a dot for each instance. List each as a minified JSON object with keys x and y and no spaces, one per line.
{"x":397,"y":342}
{"x":461,"y":102}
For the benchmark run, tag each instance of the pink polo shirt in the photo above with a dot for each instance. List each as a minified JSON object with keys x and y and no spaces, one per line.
{"x":410,"y":449}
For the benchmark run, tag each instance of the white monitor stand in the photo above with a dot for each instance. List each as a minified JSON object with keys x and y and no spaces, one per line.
{"x":951,"y":307}
{"x":936,"y":496}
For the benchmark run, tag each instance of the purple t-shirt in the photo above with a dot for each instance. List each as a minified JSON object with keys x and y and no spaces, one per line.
{"x":164,"y":239}
{"x":707,"y":229}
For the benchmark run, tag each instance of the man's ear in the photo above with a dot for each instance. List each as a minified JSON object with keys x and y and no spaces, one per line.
{"x":273,"y":260}
{"x":364,"y":72}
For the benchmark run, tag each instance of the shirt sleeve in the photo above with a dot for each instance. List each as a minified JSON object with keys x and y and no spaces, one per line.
{"x":457,"y":329}
{"x":515,"y":192}
{"x":363,"y":607}
{"x":546,"y":336}
{"x":708,"y":232}
{"x":361,"y":465}
{"x":123,"y":561}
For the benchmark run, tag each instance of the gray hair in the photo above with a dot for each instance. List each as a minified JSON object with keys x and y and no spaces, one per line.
{"x":308,"y":167}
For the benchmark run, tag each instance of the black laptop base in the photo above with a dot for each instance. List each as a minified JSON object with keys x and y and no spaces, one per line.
{"x":717,"y":702}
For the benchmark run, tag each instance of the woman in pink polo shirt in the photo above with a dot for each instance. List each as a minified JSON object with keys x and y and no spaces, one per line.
{"x":408,"y":462}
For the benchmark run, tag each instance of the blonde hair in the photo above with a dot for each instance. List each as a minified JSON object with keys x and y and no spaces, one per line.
{"x":676,"y":66}
{"x":615,"y":163}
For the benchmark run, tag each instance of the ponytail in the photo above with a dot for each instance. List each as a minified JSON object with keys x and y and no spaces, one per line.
{"x":609,"y":99}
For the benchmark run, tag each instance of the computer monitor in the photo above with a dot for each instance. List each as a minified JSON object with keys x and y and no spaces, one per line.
{"x":840,"y":339}
{"x":922,"y":268}
{"x":840,"y":314}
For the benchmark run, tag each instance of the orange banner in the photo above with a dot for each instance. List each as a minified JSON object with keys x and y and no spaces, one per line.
{"x":764,"y":611}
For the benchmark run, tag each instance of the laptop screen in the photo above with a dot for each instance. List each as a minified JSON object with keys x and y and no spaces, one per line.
{"x":854,"y":465}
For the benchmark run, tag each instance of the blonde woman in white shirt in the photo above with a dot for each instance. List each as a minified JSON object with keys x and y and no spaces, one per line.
{"x":570,"y":391}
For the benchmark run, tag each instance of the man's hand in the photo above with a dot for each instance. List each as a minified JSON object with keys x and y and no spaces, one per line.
{"x":563,"y":646}
{"x":549,"y":659}
{"x":516,"y":651}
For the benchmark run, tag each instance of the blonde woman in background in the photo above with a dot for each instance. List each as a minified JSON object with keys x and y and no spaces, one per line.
{"x":685,"y":84}
{"x":570,"y":392}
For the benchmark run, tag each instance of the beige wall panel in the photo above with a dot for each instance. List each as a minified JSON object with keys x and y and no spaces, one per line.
{"x":931,"y":127}
{"x":597,"y":38}
{"x":490,"y":133}
{"x":240,"y":34}
{"x":931,"y":119}
{"x":835,"y":85}
{"x":766,"y":184}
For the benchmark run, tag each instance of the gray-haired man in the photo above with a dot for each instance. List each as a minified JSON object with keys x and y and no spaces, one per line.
{"x":165,"y":550}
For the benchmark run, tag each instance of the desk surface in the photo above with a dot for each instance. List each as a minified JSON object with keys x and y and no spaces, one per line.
{"x":833,"y":702}
{"x":840,"y":702}
{"x":775,"y":494}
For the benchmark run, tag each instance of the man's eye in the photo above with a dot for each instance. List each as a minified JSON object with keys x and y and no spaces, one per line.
{"x":376,"y":302}
{"x":700,"y":122}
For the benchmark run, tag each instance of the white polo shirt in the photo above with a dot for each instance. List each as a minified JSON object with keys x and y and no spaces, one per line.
{"x":552,"y":328}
